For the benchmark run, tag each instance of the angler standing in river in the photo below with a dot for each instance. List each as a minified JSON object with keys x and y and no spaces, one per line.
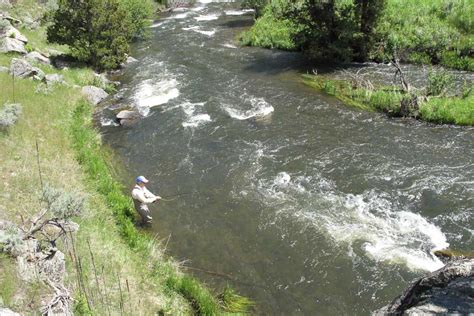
{"x":142,"y":197}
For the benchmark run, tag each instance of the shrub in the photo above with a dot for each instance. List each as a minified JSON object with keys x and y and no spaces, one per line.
{"x":9,"y":115}
{"x":439,"y":82}
{"x":62,"y":204}
{"x":97,"y":31}
{"x":138,"y":13}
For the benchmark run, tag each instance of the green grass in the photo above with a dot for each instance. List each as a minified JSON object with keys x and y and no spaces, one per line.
{"x":443,"y":110}
{"x":269,"y":32}
{"x":449,"y":110}
{"x":9,"y":282}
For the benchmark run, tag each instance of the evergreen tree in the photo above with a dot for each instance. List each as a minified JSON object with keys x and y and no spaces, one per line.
{"x":97,"y":31}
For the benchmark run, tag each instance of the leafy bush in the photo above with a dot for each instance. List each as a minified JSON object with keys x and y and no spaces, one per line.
{"x":138,"y":13}
{"x":9,"y":115}
{"x":97,"y":31}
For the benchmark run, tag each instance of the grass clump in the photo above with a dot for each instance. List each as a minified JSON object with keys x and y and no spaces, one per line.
{"x":435,"y":107}
{"x":8,"y":280}
{"x":233,"y":302}
{"x":459,"y":111}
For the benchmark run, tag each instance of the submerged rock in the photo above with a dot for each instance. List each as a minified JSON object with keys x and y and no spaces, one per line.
{"x":449,"y":290}
{"x":94,"y":94}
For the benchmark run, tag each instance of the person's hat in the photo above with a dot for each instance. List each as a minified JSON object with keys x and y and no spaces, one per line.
{"x":141,"y":179}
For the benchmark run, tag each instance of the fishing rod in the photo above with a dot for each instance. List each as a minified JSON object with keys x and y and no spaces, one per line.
{"x":169,"y":198}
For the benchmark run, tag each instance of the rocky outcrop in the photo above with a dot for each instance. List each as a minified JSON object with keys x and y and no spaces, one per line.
{"x":11,"y":40}
{"x":38,"y":57}
{"x":94,"y":94}
{"x":11,"y":32}
{"x":5,"y":311}
{"x":449,"y":290}
{"x":22,"y":69}
{"x":12,"y":45}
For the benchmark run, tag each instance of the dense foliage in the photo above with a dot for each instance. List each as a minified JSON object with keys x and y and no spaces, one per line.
{"x":98,"y":32}
{"x":427,"y":31}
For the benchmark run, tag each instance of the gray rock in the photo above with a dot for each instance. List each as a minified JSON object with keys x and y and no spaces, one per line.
{"x":449,"y":290}
{"x":54,"y":79}
{"x":4,"y":69}
{"x":38,"y":57}
{"x":11,"y":32}
{"x":127,"y":114}
{"x":94,"y":94}
{"x":130,"y":59}
{"x":12,"y":45}
{"x":21,"y":68}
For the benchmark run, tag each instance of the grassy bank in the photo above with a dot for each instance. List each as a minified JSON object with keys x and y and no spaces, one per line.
{"x":425,"y":32}
{"x":445,"y":110}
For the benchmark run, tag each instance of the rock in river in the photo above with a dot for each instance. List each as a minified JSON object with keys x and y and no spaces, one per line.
{"x":449,"y":290}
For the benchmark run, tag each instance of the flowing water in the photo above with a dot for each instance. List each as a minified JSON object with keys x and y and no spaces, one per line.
{"x":299,"y":202}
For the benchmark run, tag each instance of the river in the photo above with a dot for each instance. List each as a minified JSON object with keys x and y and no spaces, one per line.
{"x":307,"y":206}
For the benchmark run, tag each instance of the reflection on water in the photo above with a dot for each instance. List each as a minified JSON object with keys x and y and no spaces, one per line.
{"x":308,"y":205}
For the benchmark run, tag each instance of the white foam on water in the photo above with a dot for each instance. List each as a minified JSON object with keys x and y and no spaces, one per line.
{"x":258,"y":108}
{"x":179,"y":10}
{"x":239,"y":12}
{"x":108,"y":122}
{"x":152,"y":93}
{"x":194,"y":27}
{"x":399,"y":237}
{"x":229,"y":45}
{"x":282,"y":179}
{"x":198,"y":8}
{"x":197,"y":120}
{"x":207,"y":33}
{"x":208,"y":17}
{"x":156,"y":25}
{"x":178,"y":16}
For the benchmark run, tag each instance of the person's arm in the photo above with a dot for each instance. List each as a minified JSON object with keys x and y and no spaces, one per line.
{"x":148,"y":194}
{"x":141,"y":196}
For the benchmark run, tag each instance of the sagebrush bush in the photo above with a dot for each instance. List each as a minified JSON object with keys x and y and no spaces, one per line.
{"x":62,"y":204}
{"x":9,"y":115}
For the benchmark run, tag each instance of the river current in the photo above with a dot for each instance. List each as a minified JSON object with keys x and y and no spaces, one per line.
{"x":301,"y":203}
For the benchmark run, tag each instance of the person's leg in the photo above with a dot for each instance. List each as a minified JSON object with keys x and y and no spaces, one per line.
{"x":145,"y":214}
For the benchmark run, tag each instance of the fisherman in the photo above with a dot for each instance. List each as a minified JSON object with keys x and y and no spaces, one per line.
{"x":142,"y":197}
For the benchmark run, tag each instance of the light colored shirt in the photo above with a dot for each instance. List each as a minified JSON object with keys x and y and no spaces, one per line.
{"x":142,"y":196}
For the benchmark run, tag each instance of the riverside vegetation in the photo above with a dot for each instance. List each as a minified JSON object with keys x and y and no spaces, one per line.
{"x":439,"y":32}
{"x":52,"y":139}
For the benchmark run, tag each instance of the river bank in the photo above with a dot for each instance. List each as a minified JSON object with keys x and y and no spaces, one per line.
{"x":120,"y":269}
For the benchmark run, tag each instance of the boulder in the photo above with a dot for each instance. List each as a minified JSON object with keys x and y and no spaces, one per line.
{"x":94,"y":94}
{"x":22,"y":69}
{"x":11,"y":32}
{"x":4,"y":69}
{"x":52,"y":79}
{"x":449,"y":290}
{"x":38,"y":57}
{"x":12,"y":45}
{"x":127,"y":117}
